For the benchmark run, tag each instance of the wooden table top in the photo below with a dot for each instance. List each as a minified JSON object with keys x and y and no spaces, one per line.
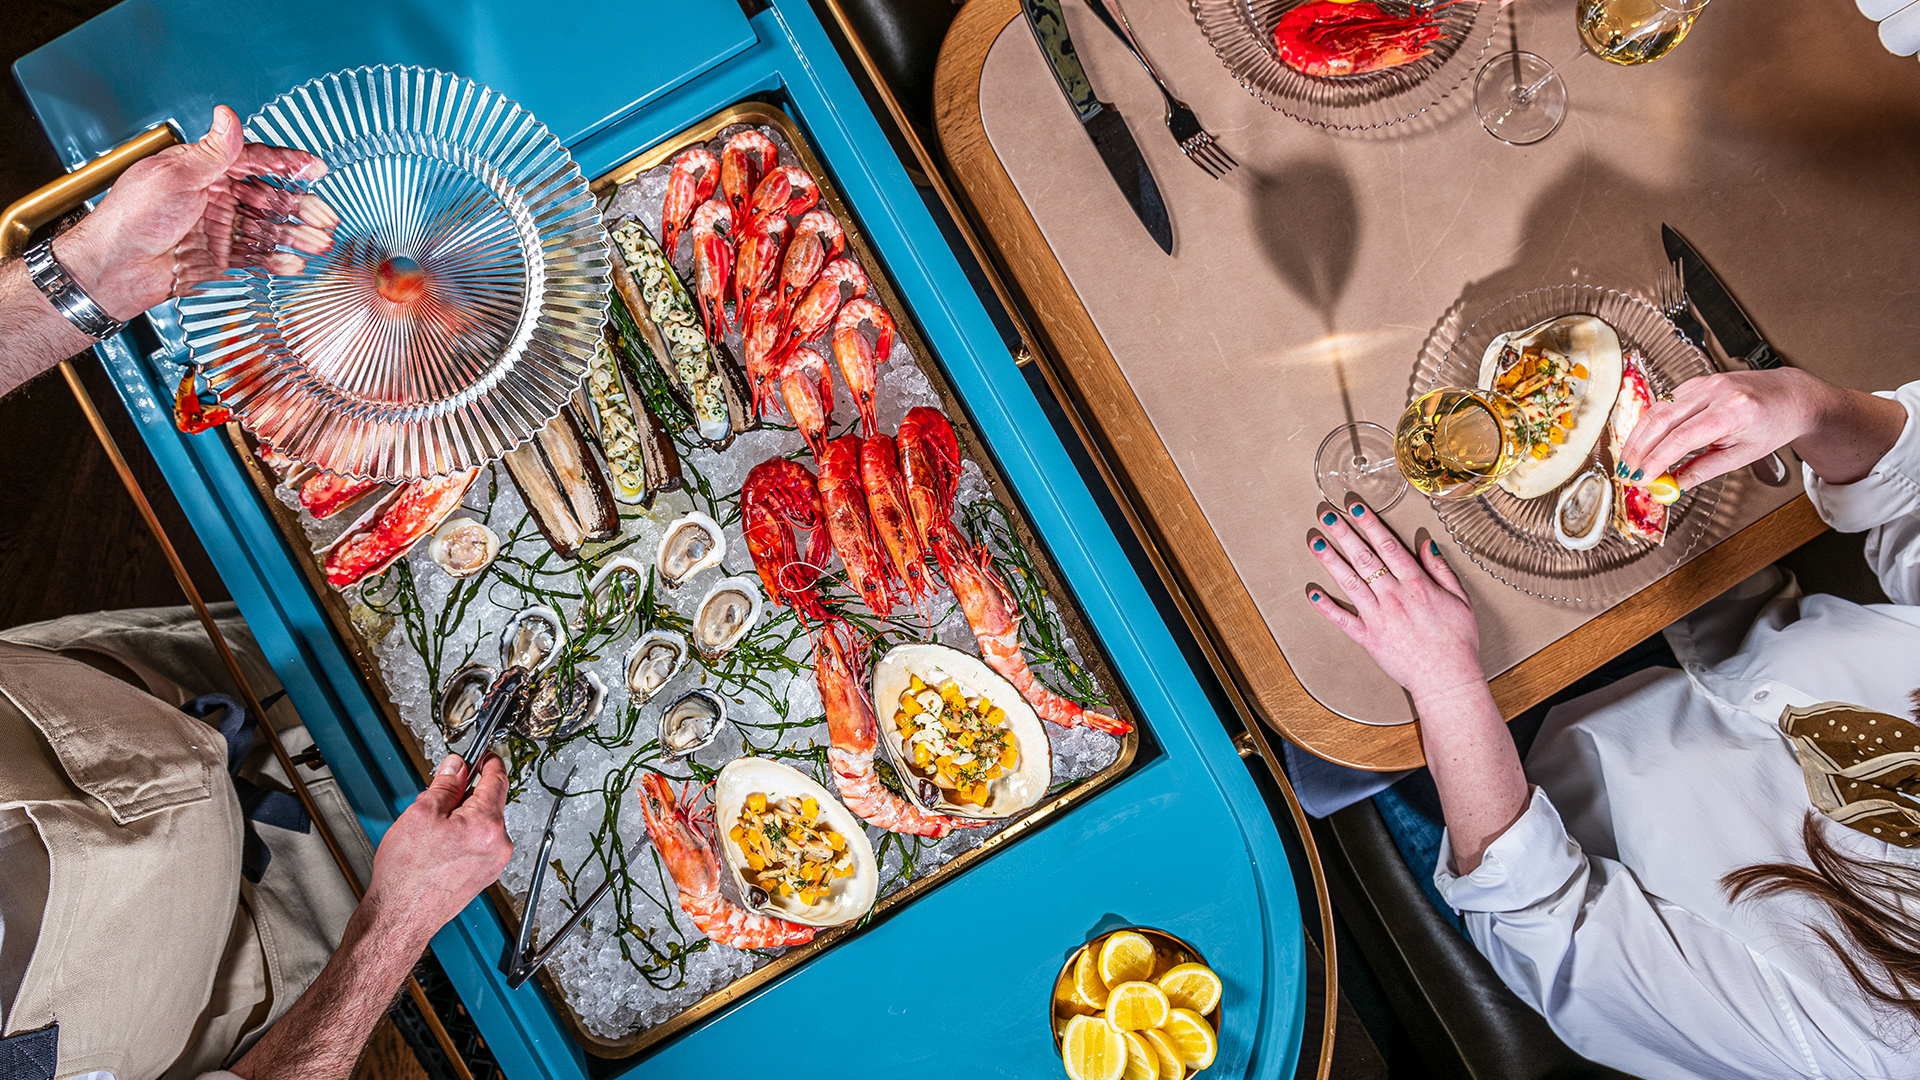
{"x":1779,"y":137}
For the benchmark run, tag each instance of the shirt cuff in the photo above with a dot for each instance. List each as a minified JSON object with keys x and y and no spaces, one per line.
{"x":1529,"y":863}
{"x":1891,"y":490}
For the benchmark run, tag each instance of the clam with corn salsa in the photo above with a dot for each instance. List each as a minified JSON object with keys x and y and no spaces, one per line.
{"x":795,"y":851}
{"x":963,"y":739}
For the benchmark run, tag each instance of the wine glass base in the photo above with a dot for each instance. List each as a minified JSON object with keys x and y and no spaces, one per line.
{"x":1357,"y":460}
{"x":1519,"y":98}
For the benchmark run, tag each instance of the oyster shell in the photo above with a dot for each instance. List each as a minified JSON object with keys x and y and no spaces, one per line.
{"x":1585,"y":507}
{"x":726,"y":613}
{"x":1580,"y":339}
{"x":460,"y":699}
{"x":692,"y":722}
{"x":556,"y":715}
{"x":690,"y":545}
{"x":463,"y":547}
{"x":852,"y":896}
{"x":1020,"y":788}
{"x":532,"y":638}
{"x":655,"y":659}
{"x":620,"y":571}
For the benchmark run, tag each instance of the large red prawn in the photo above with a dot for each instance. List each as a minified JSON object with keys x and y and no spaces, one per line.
{"x":1327,"y":38}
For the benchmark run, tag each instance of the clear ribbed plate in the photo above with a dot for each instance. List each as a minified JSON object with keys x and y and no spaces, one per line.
{"x":1241,"y":33}
{"x":462,"y":299}
{"x":1512,"y":539}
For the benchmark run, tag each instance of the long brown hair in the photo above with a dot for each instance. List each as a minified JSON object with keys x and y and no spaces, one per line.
{"x":1874,"y":906}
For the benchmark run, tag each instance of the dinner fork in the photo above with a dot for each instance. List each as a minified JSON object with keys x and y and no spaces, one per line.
{"x":1194,"y":141}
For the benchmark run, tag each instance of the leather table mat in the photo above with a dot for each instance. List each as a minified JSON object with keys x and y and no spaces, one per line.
{"x":1779,"y":137}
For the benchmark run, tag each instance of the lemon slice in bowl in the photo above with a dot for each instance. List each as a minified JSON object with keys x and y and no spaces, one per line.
{"x":1126,"y":957}
{"x":1088,"y":987}
{"x":1137,"y":1006}
{"x":1191,"y":1038}
{"x":1191,"y":986}
{"x":1171,"y":1067}
{"x":1142,"y":1063}
{"x":1093,"y":1051}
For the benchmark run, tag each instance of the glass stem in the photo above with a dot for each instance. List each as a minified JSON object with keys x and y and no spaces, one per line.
{"x":1525,"y":94}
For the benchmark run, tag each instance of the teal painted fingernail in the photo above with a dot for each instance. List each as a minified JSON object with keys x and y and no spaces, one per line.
{"x":1433,"y":547}
{"x":1329,"y":518}
{"x":1358,"y":510}
{"x":1315,"y":597}
{"x":1319,"y":544}
{"x":1638,"y":473}
{"x":1620,"y":471}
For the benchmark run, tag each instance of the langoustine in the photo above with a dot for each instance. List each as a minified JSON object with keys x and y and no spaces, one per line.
{"x":694,"y":864}
{"x":779,"y":496}
{"x":843,"y":502}
{"x":892,"y":521}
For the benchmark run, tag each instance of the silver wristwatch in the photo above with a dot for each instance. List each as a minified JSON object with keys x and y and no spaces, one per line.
{"x":66,"y":295}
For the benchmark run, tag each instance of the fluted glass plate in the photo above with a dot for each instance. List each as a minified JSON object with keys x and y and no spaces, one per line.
{"x":459,"y":306}
{"x":1241,"y":33}
{"x":1512,"y":539}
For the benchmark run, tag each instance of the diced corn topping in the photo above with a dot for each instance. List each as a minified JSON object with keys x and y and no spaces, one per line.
{"x":960,"y":743}
{"x":789,"y":850}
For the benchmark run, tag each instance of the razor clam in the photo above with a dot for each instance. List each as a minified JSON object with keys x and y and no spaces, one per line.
{"x":691,"y":544}
{"x":563,"y":486}
{"x":656,"y":658}
{"x":726,"y":613}
{"x":532,"y":639}
{"x":696,"y":365}
{"x":629,"y":574}
{"x":460,"y":699}
{"x":634,"y":355}
{"x":692,"y":722}
{"x":555,"y":714}
{"x":463,"y":547}
{"x":614,"y":423}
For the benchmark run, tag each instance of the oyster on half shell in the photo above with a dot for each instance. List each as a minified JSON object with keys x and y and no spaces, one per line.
{"x":562,"y":707}
{"x":655,"y":659}
{"x":1021,"y":787}
{"x":463,"y":547}
{"x":851,"y":896}
{"x":691,"y":723}
{"x":1585,"y":507}
{"x":726,"y":613}
{"x":620,"y":573}
{"x":460,"y":699}
{"x":532,"y":639}
{"x":691,"y":544}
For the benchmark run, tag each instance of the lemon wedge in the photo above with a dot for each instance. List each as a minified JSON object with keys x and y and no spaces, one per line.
{"x":1142,"y":1064}
{"x":1093,"y":1051}
{"x":1191,"y":1038}
{"x":1137,"y":1006}
{"x":1664,"y":488}
{"x":1191,"y":986}
{"x":1171,"y":1067}
{"x":1126,"y":957}
{"x":1088,"y":987}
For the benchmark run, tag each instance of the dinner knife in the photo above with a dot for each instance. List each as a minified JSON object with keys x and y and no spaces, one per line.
{"x":1100,"y":120}
{"x":1717,"y":307}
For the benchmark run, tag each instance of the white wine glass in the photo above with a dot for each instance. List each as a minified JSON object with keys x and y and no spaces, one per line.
{"x":1452,"y":442}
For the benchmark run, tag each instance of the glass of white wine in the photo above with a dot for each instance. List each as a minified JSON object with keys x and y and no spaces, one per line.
{"x":1521,"y":98}
{"x":1453,"y":442}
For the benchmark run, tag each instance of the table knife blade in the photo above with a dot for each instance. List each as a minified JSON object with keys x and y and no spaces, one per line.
{"x":1100,"y":120}
{"x":1717,"y":307}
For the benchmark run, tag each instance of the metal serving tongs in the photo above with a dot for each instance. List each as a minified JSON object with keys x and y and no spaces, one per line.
{"x":529,"y":645}
{"x":522,"y":959}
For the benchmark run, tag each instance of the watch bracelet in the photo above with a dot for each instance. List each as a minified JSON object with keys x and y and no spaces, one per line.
{"x":66,"y":295}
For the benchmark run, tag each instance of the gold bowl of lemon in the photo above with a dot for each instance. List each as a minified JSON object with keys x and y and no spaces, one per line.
{"x":1136,"y":1004}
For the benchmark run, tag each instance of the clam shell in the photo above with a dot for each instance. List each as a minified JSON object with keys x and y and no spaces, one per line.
{"x":729,"y":610}
{"x":533,"y":638}
{"x":1020,"y":789}
{"x":551,"y":718}
{"x":460,"y":699}
{"x":463,"y":547}
{"x":852,"y":897}
{"x":691,"y":544}
{"x":653,"y":661}
{"x":1583,"y":339}
{"x":602,"y":584}
{"x":691,"y":723}
{"x":1576,"y":535}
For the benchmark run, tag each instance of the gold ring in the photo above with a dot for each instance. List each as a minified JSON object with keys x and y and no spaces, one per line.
{"x":1373,"y":577}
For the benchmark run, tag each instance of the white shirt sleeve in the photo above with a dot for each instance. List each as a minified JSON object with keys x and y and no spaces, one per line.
{"x":1579,"y":940}
{"x":1885,"y":505}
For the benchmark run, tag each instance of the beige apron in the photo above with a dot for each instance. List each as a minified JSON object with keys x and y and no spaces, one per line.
{"x":155,"y":956}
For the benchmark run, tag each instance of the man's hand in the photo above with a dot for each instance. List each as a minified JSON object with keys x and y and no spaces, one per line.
{"x":189,"y":198}
{"x":443,"y":850}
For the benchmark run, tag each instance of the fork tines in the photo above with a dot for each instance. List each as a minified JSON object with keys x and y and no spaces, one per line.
{"x":1671,"y":290}
{"x":1204,"y":152}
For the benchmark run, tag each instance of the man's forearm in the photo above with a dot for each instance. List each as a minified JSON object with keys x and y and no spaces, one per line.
{"x":322,"y":1036}
{"x":33,"y":336}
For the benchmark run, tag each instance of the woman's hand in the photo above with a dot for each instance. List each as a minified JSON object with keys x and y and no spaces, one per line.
{"x":1738,"y":417}
{"x":1410,"y":613}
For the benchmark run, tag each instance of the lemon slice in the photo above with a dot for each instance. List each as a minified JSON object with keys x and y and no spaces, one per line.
{"x":1664,"y":488}
{"x":1088,"y":988}
{"x":1171,"y":1067}
{"x":1191,"y":1038}
{"x":1092,"y":1050}
{"x":1191,"y":986}
{"x":1142,"y":1063}
{"x":1126,"y":957}
{"x":1066,"y":1001}
{"x":1137,"y":1006}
